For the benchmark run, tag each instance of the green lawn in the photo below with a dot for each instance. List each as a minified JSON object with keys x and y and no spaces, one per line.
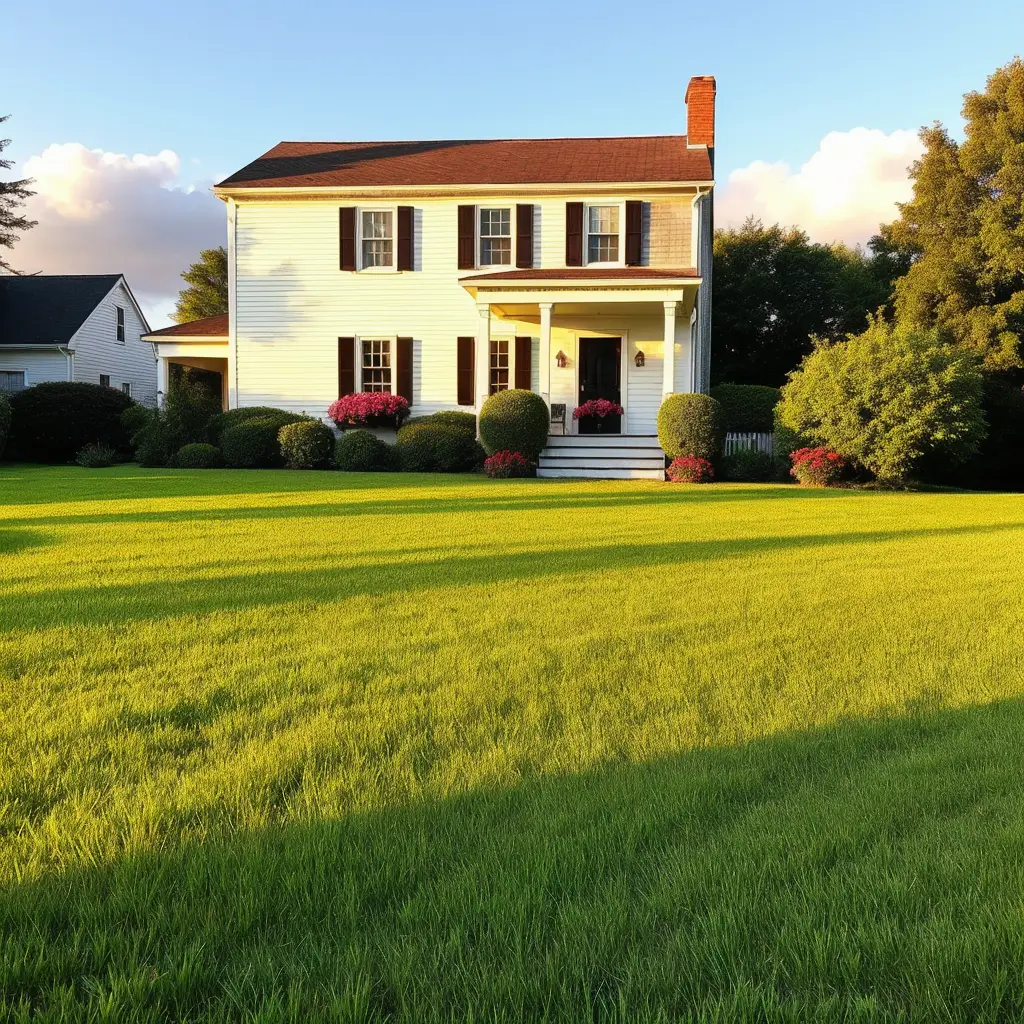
{"x":316,"y":746}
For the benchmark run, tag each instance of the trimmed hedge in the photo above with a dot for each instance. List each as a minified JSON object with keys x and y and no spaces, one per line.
{"x":360,"y":451}
{"x":437,"y":448}
{"x":449,"y":418}
{"x":691,"y":425}
{"x":307,"y":445}
{"x":747,"y":408}
{"x":5,"y":421}
{"x":52,"y":422}
{"x":197,"y":456}
{"x":224,"y":420}
{"x":253,"y":442}
{"x":515,"y":421}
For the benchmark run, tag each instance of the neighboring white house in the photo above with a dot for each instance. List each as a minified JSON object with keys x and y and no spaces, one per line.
{"x":446,"y":270}
{"x":77,"y":327}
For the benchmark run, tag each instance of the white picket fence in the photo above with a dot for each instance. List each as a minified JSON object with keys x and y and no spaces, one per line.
{"x":735,"y":442}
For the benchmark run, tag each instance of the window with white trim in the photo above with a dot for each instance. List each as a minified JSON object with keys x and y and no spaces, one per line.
{"x":126,"y":388}
{"x":602,"y":234}
{"x":378,"y":237}
{"x":495,"y":237}
{"x":376,"y":365}
{"x":499,"y":365}
{"x":120,"y":323}
{"x":104,"y":380}
{"x":12,"y":380}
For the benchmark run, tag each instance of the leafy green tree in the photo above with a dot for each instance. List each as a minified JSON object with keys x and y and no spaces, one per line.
{"x":12,"y":195}
{"x":889,"y":399}
{"x":965,"y":226}
{"x":775,"y":291}
{"x":207,"y":291}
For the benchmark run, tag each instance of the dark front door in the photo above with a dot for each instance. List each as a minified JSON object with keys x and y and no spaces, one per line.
{"x":600,"y":377}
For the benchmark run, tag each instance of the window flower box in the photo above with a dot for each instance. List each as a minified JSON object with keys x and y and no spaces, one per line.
{"x":369,"y":409}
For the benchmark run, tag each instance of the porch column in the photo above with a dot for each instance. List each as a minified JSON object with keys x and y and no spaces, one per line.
{"x":668,"y":384}
{"x":162,"y":376}
{"x":545,"y":350}
{"x":483,"y":354}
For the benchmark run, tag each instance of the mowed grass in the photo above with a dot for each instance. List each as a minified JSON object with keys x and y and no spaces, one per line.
{"x":298,"y":746}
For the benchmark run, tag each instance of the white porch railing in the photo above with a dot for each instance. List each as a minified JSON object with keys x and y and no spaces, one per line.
{"x":735,"y":442}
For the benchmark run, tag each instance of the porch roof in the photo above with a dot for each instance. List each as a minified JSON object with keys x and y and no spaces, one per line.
{"x":209,"y":329}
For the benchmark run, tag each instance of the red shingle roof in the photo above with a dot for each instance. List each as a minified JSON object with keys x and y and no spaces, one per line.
{"x":207,"y":327}
{"x":584,"y":274}
{"x":474,"y":162}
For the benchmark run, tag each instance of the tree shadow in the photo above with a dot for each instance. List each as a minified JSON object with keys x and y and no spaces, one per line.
{"x":331,"y":579}
{"x":870,"y":870}
{"x":13,"y":541}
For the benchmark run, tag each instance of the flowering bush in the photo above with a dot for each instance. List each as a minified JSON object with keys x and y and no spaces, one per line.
{"x":690,"y":469}
{"x":505,"y":464}
{"x":369,"y":407}
{"x":597,"y":407}
{"x":817,"y":467}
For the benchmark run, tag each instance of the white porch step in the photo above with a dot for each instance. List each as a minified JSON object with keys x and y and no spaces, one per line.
{"x":603,"y":456}
{"x":604,"y":440}
{"x":589,"y":473}
{"x":602,"y":461}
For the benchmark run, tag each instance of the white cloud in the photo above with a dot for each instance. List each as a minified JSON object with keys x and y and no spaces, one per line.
{"x":842,"y":193}
{"x":102,"y":213}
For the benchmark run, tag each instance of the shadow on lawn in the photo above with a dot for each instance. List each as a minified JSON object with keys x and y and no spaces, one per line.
{"x":331,"y":581}
{"x":866,"y":871}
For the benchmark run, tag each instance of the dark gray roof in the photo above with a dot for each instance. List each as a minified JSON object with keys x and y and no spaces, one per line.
{"x":49,"y":308}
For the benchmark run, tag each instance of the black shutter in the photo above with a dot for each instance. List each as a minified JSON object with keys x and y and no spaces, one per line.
{"x":348,"y":237}
{"x":405,"y":238}
{"x":465,"y":371}
{"x":574,"y":234}
{"x":346,"y":366}
{"x":467,"y":237}
{"x":524,"y":235}
{"x":524,"y":363}
{"x":403,"y":371}
{"x":634,"y":232}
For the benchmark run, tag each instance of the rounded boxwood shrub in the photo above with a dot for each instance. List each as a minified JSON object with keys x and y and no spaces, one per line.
{"x":691,"y":425}
{"x":360,"y":451}
{"x":748,"y":465}
{"x":450,"y":418}
{"x":52,"y":422}
{"x":5,"y":421}
{"x":96,"y":456}
{"x":437,"y":448}
{"x":197,"y":456}
{"x":307,"y":445}
{"x":253,"y":443}
{"x":747,"y":408}
{"x":516,"y":421}
{"x":222,"y":421}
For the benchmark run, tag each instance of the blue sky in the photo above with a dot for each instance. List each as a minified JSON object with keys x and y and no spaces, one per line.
{"x":219,"y":83}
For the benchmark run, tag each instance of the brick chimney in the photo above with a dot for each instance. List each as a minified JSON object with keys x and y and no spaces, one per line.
{"x":700,"y":112}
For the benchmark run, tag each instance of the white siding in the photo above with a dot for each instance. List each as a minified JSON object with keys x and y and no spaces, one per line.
{"x":645,"y":384}
{"x":38,"y":366}
{"x":97,"y":350}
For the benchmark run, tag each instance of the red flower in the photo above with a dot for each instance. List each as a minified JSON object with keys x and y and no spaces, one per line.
{"x":689,"y":469}
{"x":817,"y":467}
{"x":597,"y":407}
{"x":365,"y":405}
{"x":505,"y":464}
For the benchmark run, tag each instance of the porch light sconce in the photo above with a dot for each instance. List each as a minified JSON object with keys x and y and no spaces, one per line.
{"x":561,"y":360}
{"x":639,"y":357}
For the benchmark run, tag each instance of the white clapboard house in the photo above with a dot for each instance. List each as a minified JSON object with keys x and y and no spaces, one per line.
{"x":74,"y":327}
{"x":446,"y":270}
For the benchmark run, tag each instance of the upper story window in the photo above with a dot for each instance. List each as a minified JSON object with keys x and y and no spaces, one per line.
{"x":378,"y":238}
{"x":603,"y":234}
{"x":495,"y":237}
{"x":376,"y":365}
{"x":120,"y":323}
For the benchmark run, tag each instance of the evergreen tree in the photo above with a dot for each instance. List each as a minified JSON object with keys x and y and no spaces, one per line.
{"x":12,"y":195}
{"x":207,"y":291}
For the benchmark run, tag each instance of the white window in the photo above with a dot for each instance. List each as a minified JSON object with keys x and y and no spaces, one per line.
{"x":12,"y":380}
{"x":376,"y":365}
{"x":378,"y":237}
{"x":120,"y":324}
{"x":602,"y":234}
{"x":495,"y":238}
{"x":126,"y":388}
{"x":104,"y":380}
{"x":499,"y":366}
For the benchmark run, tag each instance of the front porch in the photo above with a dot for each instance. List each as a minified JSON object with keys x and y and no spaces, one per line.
{"x":201,"y":345}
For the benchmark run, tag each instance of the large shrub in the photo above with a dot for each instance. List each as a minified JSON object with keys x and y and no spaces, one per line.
{"x":233,"y":417}
{"x":747,"y":408}
{"x":748,"y":465}
{"x":691,"y":425}
{"x":451,"y":418}
{"x":359,"y":451}
{"x":888,"y":399}
{"x":52,"y":422}
{"x":184,"y":419}
{"x":437,"y":448}
{"x":5,"y":422}
{"x":308,"y":444}
{"x":516,"y":421}
{"x":253,"y":443}
{"x":197,"y":456}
